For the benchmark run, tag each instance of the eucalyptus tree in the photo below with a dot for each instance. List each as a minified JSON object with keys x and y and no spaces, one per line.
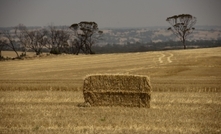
{"x":182,"y":26}
{"x":86,"y":35}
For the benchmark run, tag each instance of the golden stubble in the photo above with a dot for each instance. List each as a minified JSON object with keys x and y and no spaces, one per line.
{"x":42,"y":95}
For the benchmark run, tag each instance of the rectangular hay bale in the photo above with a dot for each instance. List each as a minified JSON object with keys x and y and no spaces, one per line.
{"x":117,"y":90}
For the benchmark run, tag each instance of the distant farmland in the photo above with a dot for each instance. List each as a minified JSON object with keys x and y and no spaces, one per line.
{"x":41,"y":95}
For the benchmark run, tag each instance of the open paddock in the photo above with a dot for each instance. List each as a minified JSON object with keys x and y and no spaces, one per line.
{"x":41,"y":95}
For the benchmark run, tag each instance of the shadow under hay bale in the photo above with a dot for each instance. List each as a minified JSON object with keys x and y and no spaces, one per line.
{"x":117,"y":90}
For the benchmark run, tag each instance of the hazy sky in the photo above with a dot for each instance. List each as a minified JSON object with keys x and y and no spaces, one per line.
{"x":107,"y":13}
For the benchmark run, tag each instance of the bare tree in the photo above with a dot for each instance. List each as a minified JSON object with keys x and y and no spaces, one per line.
{"x":182,"y":26}
{"x":31,"y":39}
{"x":3,"y":43}
{"x":57,"y":39}
{"x":86,"y":33}
{"x":52,"y":38}
{"x":37,"y":40}
{"x":11,"y":41}
{"x":21,"y":33}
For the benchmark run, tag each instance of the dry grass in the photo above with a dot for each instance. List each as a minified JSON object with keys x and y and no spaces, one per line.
{"x":57,"y":112}
{"x":12,"y":53}
{"x":187,"y":69}
{"x":41,"y":95}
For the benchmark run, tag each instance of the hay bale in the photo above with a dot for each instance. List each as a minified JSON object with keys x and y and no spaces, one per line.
{"x":117,"y":90}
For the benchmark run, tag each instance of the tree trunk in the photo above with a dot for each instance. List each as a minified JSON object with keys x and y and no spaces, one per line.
{"x":38,"y":52}
{"x":16,"y":53}
{"x":77,"y":51}
{"x":25,"y":51}
{"x":1,"y":48}
{"x":184,"y":43}
{"x":13,"y":48}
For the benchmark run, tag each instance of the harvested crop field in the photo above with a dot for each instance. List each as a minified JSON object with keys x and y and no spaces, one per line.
{"x":42,"y":95}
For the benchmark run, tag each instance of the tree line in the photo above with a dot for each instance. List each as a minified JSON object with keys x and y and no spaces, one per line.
{"x":158,"y":46}
{"x":78,"y":37}
{"x":82,"y":37}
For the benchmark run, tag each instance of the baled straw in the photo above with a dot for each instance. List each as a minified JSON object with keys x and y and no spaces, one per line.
{"x":117,"y":90}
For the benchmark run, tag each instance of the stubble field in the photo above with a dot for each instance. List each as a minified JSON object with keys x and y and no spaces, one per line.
{"x":41,"y":95}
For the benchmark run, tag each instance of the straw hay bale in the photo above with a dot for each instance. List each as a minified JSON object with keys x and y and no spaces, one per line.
{"x":117,"y":90}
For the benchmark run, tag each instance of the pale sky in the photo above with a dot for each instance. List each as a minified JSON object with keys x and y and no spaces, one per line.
{"x":106,"y":13}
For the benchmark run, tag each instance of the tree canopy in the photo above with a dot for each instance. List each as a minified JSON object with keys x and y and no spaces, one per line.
{"x":86,"y":34}
{"x":182,"y":26}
